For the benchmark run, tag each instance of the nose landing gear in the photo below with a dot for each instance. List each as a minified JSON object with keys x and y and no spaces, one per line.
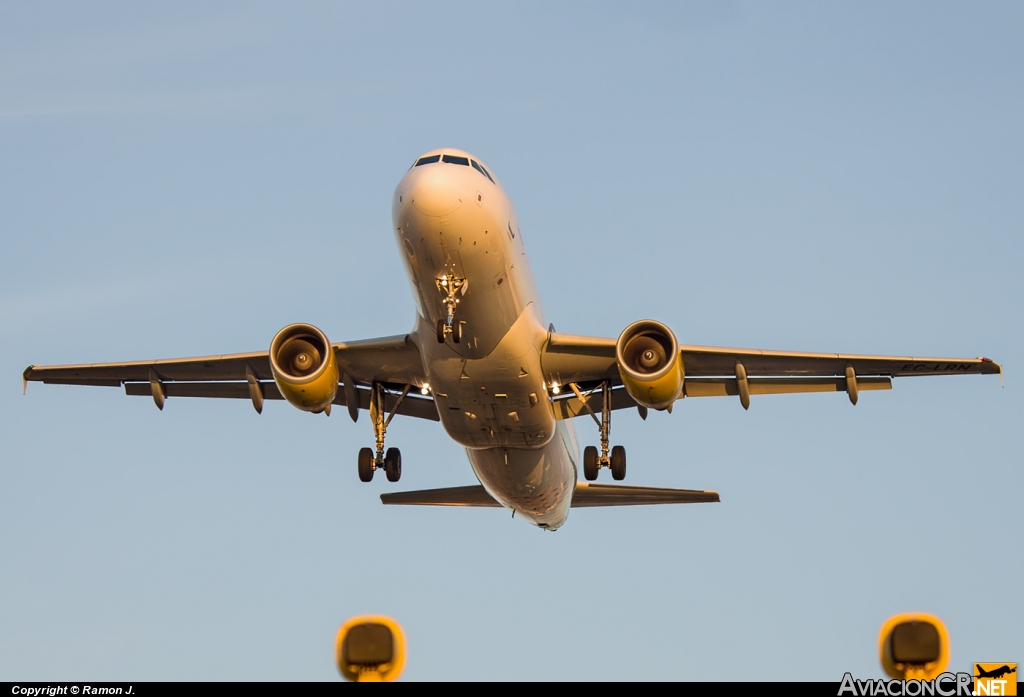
{"x":450,"y":286}
{"x":391,"y":461}
{"x":449,"y":326}
{"x":592,"y":462}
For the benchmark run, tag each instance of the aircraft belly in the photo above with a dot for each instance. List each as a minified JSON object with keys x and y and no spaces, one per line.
{"x":497,"y":400}
{"x":489,"y":388}
{"x":536,"y":484}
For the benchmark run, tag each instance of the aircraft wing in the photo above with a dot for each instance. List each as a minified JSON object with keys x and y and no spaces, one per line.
{"x":394,"y":361}
{"x":585,"y":496}
{"x":712,"y":371}
{"x":711,"y":361}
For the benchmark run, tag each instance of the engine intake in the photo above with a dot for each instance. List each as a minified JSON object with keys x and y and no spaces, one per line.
{"x":650,"y":364}
{"x":304,"y":367}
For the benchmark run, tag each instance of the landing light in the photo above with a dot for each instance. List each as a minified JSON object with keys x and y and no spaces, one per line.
{"x":555,"y":389}
{"x":425,"y":389}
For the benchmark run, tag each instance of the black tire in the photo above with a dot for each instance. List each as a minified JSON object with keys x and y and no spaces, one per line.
{"x":618,"y":463}
{"x":457,"y":332}
{"x":590,"y":463}
{"x":440,"y":331}
{"x":366,"y":464}
{"x":393,"y":464}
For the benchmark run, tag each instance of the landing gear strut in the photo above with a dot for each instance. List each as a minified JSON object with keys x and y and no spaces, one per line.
{"x":592,"y":462}
{"x":449,"y":286}
{"x":391,"y":461}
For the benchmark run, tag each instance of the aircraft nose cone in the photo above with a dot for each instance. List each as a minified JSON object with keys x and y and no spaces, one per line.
{"x":436,"y":191}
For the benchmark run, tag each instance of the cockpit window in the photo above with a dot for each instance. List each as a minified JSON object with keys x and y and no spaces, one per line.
{"x":481,"y":170}
{"x":428,"y":160}
{"x":456,"y":160}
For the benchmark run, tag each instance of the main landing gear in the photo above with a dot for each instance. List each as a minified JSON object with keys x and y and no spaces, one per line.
{"x":592,"y":462}
{"x":391,"y":460}
{"x":449,"y":286}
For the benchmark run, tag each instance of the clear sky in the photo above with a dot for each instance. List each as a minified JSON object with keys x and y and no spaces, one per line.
{"x":185,"y":179}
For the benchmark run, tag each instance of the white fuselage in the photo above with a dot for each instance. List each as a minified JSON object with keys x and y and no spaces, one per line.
{"x":489,"y":388}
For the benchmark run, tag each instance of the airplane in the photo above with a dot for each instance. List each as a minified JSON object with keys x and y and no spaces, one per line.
{"x":995,"y":673}
{"x":483,"y":361}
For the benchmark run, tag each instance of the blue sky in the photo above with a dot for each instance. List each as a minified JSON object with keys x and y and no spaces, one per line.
{"x":186,"y":179}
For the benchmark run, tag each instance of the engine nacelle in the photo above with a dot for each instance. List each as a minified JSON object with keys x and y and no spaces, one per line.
{"x":304,"y":367}
{"x":650,"y":363}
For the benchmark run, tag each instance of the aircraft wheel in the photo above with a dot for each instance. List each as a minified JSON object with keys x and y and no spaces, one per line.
{"x":590,"y":463}
{"x":440,"y":331}
{"x":365,"y":464}
{"x":393,"y":464}
{"x":457,"y":332}
{"x":618,"y":463}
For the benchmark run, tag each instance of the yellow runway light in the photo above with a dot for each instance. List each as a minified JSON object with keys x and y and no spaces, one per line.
{"x":370,"y":648}
{"x":913,"y":646}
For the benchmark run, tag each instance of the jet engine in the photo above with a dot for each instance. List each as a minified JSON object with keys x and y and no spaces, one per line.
{"x":304,"y":367}
{"x":650,"y":364}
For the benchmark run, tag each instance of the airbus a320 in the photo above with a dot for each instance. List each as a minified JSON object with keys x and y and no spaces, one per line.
{"x":483,"y":361}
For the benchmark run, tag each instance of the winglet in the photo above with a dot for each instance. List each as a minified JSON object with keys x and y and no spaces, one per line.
{"x":990,"y":366}
{"x":24,"y":379}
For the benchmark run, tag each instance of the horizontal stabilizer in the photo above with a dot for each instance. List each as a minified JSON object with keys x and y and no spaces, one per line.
{"x":585,"y":496}
{"x":453,"y":496}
